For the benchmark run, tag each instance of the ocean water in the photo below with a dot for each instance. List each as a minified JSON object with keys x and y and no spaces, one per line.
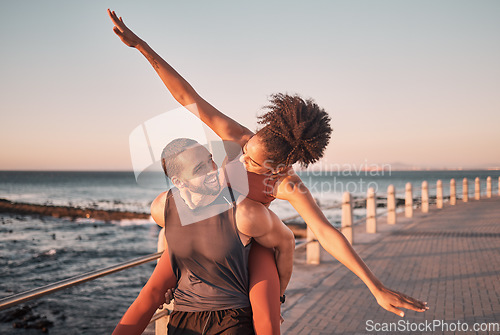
{"x":35,"y":251}
{"x":99,"y":190}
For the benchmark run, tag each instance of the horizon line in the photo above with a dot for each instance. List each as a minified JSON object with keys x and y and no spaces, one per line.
{"x":298,"y":170}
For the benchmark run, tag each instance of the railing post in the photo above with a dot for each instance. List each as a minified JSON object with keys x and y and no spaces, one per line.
{"x":477,"y":189}
{"x":465,"y":190}
{"x":453,"y":192}
{"x":346,"y":225}
{"x":312,"y":248}
{"x":488,"y":187}
{"x":409,"y":201}
{"x":161,"y":323}
{"x":425,"y":197}
{"x":371,"y":212}
{"x":439,"y":194}
{"x":391,"y":205}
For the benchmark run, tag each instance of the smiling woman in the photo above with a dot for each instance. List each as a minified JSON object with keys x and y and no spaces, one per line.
{"x":295,"y":131}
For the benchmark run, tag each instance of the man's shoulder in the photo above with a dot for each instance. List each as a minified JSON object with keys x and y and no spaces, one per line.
{"x":161,"y":198}
{"x":158,"y":207}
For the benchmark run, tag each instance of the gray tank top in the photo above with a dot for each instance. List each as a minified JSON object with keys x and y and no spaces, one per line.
{"x":207,"y":256}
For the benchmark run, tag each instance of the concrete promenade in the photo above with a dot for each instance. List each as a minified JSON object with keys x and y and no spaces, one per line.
{"x":449,"y":257}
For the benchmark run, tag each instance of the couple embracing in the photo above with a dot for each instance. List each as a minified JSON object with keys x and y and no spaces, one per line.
{"x":228,"y":257}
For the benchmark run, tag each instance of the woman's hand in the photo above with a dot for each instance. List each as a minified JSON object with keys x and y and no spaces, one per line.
{"x":391,"y":300}
{"x":169,"y":296}
{"x":125,"y":34}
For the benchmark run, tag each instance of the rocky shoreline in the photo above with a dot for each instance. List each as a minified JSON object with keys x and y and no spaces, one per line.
{"x":7,"y":206}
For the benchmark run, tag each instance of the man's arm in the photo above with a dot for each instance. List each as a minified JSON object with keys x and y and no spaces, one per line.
{"x":255,"y":220}
{"x":152,"y":295}
{"x":293,"y":190}
{"x":181,"y":90}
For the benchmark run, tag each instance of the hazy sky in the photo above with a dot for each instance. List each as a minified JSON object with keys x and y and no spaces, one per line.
{"x":415,"y":82}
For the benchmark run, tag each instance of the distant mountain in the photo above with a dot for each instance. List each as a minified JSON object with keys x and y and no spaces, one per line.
{"x":394,"y":166}
{"x":408,"y":167}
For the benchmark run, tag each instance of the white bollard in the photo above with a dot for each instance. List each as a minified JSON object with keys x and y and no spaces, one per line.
{"x":477,"y":189}
{"x":453,"y":192}
{"x":439,"y":194}
{"x":488,"y":187}
{"x":409,"y":201}
{"x":371,"y":212}
{"x":425,"y":197}
{"x":312,"y":248}
{"x":465,"y":190}
{"x":346,"y":225}
{"x":391,"y":205}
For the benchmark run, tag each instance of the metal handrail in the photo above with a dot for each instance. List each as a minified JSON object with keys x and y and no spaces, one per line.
{"x":366,"y":218}
{"x":19,"y":298}
{"x":331,"y":207}
{"x":159,"y":315}
{"x":76,"y":280}
{"x":337,"y":205}
{"x":303,"y":244}
{"x":494,"y":187}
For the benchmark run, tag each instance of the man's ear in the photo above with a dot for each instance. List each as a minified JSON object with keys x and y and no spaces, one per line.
{"x":177,"y":182}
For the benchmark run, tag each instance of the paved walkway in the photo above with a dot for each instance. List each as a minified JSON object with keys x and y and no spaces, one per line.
{"x":448,"y":257}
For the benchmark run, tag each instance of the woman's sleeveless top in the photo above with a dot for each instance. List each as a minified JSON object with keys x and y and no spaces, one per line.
{"x":261,"y":187}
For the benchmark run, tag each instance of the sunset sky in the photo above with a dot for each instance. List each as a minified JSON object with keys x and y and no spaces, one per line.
{"x":406,"y":82}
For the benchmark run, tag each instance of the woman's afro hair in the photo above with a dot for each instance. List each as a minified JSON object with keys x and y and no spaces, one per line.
{"x":294,"y":130}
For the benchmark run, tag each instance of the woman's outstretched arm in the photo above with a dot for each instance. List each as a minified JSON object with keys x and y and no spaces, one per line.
{"x":181,"y":90}
{"x":293,"y":190}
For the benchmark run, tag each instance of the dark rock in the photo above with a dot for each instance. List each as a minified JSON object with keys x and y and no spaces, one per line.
{"x":7,"y":206}
{"x":17,"y":313}
{"x":24,"y":317}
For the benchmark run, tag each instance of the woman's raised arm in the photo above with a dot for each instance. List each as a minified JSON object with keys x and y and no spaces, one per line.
{"x":181,"y":90}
